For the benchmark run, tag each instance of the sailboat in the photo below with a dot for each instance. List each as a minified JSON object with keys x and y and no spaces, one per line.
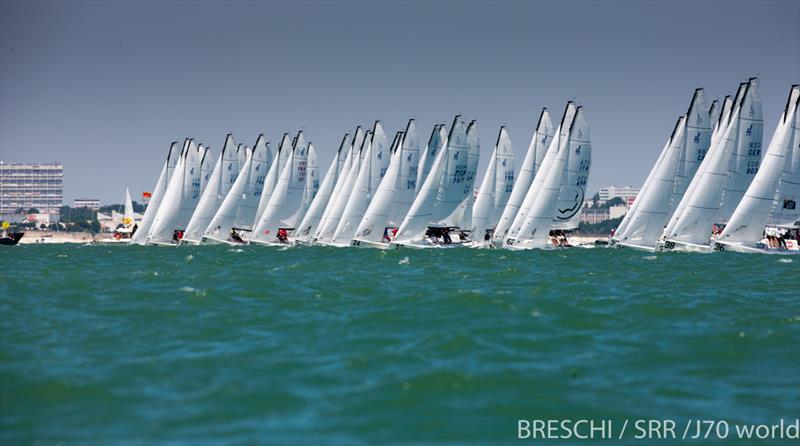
{"x":644,"y":223}
{"x":286,"y":204}
{"x":311,"y":221}
{"x":370,"y":173}
{"x":139,"y":236}
{"x":772,"y":196}
{"x":222,"y":178}
{"x":235,"y":216}
{"x":333,"y":215}
{"x":394,"y":195}
{"x":494,"y":192}
{"x":720,"y":124}
{"x":553,"y":207}
{"x":181,"y":195}
{"x":534,"y":157}
{"x":560,"y":137}
{"x":691,"y":230}
{"x":273,"y":175}
{"x":125,"y":230}
{"x":434,"y":215}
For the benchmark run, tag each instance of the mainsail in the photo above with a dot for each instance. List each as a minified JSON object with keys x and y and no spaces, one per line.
{"x":140,"y":236}
{"x":371,"y":172}
{"x":693,"y":226}
{"x":444,"y":189}
{"x":313,"y":216}
{"x":576,"y":176}
{"x":219,"y":184}
{"x":746,"y":155}
{"x":535,"y":229}
{"x":746,"y":226}
{"x":644,"y":222}
{"x":182,"y":194}
{"x":128,"y":216}
{"x":238,"y":209}
{"x":395,"y":193}
{"x":428,"y":156}
{"x":541,"y":139}
{"x":274,"y":173}
{"x":560,"y":138}
{"x":720,"y":124}
{"x":785,"y":208}
{"x":286,"y":202}
{"x":495,"y":189}
{"x":330,"y":222}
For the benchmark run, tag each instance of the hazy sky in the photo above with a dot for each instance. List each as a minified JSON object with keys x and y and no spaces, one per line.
{"x":104,"y":87}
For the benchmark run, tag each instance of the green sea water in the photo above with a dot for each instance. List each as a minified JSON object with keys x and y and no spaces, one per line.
{"x":315,"y":346}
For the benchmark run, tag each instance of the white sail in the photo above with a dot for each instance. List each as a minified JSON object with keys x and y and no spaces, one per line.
{"x":333,"y":216}
{"x":746,"y":155}
{"x":747,"y":224}
{"x":540,"y":141}
{"x":495,"y":189}
{"x":307,"y":227}
{"x":716,"y":133}
{"x":128,"y":216}
{"x":428,"y":156}
{"x":696,"y":144}
{"x":576,"y":177}
{"x":443,"y":191}
{"x":693,"y":226}
{"x":395,"y":193}
{"x":285,"y":204}
{"x":373,"y":168}
{"x":274,"y":173}
{"x":140,"y":236}
{"x":644,"y":222}
{"x":560,"y":137}
{"x":785,"y":209}
{"x":312,"y":180}
{"x":535,"y":230}
{"x":238,"y":209}
{"x":350,"y":161}
{"x":181,"y":196}
{"x":463,"y":214}
{"x":219,"y":184}
{"x":713,"y":113}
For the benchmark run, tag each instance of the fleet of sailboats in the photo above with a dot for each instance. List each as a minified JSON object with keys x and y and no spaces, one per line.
{"x":710,"y":189}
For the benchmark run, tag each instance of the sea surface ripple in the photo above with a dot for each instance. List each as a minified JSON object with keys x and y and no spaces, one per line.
{"x":213,"y":344}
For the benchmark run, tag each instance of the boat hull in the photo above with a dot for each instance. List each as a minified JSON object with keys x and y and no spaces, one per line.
{"x":12,"y":238}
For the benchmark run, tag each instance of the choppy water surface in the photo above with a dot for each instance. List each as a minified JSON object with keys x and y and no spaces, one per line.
{"x":208,"y":345}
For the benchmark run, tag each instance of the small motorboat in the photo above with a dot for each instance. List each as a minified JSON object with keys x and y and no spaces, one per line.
{"x":10,"y":238}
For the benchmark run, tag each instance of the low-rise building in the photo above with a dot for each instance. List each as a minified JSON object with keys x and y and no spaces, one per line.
{"x":91,"y":203}
{"x":627,"y":193}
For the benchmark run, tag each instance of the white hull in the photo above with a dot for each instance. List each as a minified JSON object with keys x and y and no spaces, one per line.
{"x":356,"y":243}
{"x":637,"y":247}
{"x":736,"y":247}
{"x":686,"y":247}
